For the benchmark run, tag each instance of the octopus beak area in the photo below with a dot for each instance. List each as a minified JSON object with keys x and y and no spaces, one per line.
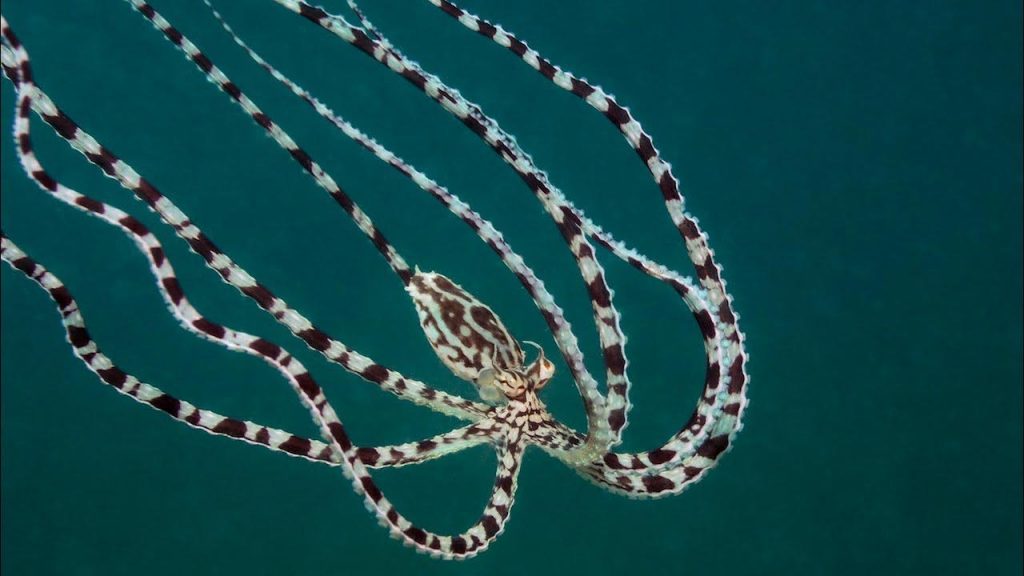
{"x":541,"y":370}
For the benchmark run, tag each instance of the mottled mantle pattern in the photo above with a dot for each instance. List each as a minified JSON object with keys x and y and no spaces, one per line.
{"x":467,"y":335}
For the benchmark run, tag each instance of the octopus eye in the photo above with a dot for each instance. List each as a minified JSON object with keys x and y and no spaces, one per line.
{"x":541,"y":370}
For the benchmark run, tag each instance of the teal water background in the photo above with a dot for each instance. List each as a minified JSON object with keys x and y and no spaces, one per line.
{"x":857,"y":166}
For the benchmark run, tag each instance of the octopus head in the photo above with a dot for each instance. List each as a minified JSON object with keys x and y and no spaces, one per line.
{"x":498,"y":384}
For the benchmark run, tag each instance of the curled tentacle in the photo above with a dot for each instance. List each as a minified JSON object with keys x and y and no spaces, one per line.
{"x":471,"y":341}
{"x":465,"y":545}
{"x":652,"y":474}
{"x":711,"y":404}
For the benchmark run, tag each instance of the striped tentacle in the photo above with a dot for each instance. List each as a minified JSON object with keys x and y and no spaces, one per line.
{"x":333,"y":350}
{"x":605,"y":103}
{"x":708,"y":270}
{"x":233,"y":274}
{"x":636,"y":478}
{"x":467,"y":544}
{"x":606,"y":417}
{"x":170,"y":290}
{"x":484,"y":431}
{"x":694,"y":296}
{"x":88,"y":352}
{"x":471,"y":542}
{"x":478,"y":537}
{"x":310,"y":166}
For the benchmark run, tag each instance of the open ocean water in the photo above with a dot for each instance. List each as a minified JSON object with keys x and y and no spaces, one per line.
{"x":856,"y":164}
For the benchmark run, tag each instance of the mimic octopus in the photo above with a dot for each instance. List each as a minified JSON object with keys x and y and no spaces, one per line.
{"x":468,"y":337}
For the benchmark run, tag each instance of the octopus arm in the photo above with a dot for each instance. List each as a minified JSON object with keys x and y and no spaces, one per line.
{"x":652,"y":474}
{"x":469,"y":543}
{"x":233,"y":274}
{"x":398,"y":455}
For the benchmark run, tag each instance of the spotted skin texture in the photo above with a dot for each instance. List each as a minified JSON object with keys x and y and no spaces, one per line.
{"x":467,"y":335}
{"x":464,"y":332}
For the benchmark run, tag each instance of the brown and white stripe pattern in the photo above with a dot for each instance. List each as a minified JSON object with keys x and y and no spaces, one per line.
{"x":710,"y":408}
{"x":179,"y":305}
{"x":724,"y":390}
{"x":711,"y":404}
{"x":351,"y":458}
{"x":710,"y":308}
{"x":275,"y":131}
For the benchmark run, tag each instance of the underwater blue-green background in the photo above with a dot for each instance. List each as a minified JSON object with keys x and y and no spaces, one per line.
{"x":856,"y":164}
